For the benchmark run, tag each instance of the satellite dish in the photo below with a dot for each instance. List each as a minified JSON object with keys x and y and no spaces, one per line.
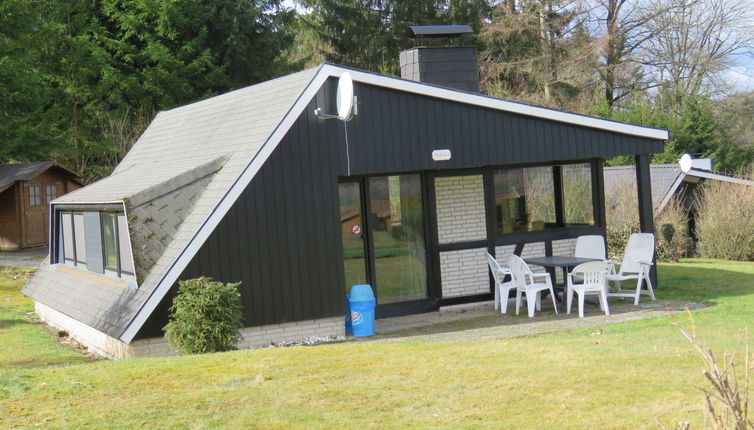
{"x":685,"y":163}
{"x":345,"y":97}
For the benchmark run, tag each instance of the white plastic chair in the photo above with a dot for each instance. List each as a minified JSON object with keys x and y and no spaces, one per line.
{"x":524,"y":279}
{"x":502,"y":289}
{"x":590,"y":280}
{"x":590,"y":246}
{"x":637,"y":260}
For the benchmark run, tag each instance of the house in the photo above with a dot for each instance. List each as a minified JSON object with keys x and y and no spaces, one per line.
{"x":258,"y":185}
{"x":668,"y":181}
{"x":25,"y":193}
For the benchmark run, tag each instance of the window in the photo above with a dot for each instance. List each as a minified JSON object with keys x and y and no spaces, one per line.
{"x":524,"y":199}
{"x":51,"y":193}
{"x":578,"y":207}
{"x":34,"y":197}
{"x":78,"y":238}
{"x":110,"y":241}
{"x":539,"y":198}
{"x":101,"y":236}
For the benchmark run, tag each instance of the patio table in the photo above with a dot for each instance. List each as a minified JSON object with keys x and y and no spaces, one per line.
{"x":563,"y":262}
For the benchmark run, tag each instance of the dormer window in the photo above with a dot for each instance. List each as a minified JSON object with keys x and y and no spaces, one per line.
{"x":97,"y":242}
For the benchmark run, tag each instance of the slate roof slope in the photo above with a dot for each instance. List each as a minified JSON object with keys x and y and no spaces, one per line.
{"x":12,"y":173}
{"x":169,"y":183}
{"x":664,"y":178}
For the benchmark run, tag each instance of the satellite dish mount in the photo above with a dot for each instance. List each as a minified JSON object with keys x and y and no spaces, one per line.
{"x":345,"y":100}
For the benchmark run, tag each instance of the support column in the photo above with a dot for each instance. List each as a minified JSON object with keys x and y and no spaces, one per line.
{"x":646,"y":212}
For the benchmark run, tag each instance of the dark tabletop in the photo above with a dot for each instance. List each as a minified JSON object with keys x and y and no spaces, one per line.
{"x":558,"y":261}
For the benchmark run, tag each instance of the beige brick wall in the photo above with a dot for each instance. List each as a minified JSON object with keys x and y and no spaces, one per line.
{"x":464,"y":272}
{"x":562,"y":247}
{"x":110,"y":347}
{"x":460,"y":208}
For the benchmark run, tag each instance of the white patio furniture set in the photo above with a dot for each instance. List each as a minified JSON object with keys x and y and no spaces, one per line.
{"x":592,"y":274}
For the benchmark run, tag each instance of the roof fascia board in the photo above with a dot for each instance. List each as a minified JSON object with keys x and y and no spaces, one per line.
{"x":500,"y":104}
{"x":325,"y":72}
{"x":226,"y":202}
{"x":718,"y":177}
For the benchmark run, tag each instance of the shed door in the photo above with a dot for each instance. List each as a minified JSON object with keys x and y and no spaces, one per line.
{"x":35,"y":215}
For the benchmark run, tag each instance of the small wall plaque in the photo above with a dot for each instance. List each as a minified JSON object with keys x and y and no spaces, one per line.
{"x":441,"y":154}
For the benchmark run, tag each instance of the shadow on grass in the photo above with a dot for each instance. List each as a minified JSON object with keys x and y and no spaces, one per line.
{"x":10,"y":322}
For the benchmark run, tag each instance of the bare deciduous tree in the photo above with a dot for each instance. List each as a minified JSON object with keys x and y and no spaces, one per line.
{"x":694,"y":42}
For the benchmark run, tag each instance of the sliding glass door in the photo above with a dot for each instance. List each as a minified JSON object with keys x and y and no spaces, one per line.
{"x":384,"y":236}
{"x":396,"y":222}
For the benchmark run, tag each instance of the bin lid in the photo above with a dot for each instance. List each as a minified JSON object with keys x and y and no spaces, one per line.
{"x":361,"y":293}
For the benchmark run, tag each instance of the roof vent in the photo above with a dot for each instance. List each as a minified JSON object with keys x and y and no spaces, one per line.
{"x":455,"y":67}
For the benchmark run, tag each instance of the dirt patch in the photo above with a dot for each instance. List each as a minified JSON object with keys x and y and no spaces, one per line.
{"x":63,"y":338}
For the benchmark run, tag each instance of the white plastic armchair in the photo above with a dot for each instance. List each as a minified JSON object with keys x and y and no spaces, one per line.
{"x":588,"y":278}
{"x":502,"y":288}
{"x":637,"y":260}
{"x":590,"y":246}
{"x":526,"y":284}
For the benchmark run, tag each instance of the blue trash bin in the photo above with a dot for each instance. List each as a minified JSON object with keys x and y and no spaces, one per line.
{"x":361,"y":304}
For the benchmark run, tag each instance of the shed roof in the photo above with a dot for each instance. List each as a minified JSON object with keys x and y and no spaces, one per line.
{"x":665,"y":180}
{"x":189,"y":167}
{"x":12,"y":173}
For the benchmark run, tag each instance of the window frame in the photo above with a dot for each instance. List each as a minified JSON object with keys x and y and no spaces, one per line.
{"x":54,"y":196}
{"x":558,"y":197}
{"x":77,"y":236}
{"x":35,"y":199}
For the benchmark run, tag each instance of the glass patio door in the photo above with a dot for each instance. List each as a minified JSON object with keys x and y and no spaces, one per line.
{"x":382,"y":226}
{"x":352,"y":231}
{"x":396,"y":223}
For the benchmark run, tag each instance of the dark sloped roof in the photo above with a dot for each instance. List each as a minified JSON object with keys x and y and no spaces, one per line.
{"x":664,"y":178}
{"x":12,"y":173}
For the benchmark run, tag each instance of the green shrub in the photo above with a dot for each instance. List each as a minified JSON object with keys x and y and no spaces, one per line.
{"x":205,"y":317}
{"x":725,"y":221}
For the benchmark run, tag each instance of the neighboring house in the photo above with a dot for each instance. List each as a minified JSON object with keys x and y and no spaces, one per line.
{"x":25,"y":194}
{"x":254,"y":186}
{"x":668,"y":181}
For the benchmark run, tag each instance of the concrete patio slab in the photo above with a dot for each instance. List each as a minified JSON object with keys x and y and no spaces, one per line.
{"x":481,"y":322}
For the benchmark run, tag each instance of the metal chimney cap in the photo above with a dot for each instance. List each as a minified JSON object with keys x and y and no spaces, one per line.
{"x":438,"y":30}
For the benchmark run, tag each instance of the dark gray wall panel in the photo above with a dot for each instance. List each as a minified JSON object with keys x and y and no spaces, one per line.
{"x":281,"y":239}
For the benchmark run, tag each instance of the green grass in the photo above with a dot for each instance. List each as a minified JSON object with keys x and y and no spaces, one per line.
{"x":624,"y":378}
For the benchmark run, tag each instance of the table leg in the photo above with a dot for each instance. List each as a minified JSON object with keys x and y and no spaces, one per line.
{"x":564,"y":300}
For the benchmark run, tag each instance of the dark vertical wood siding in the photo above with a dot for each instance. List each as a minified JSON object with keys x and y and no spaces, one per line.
{"x":281,"y":239}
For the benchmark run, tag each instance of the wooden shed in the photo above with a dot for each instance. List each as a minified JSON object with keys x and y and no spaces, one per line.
{"x":25,"y":194}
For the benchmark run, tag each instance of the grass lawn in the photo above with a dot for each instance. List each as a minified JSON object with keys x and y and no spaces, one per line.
{"x":626,"y":377}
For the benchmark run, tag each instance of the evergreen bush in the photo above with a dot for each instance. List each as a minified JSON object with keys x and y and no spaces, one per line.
{"x":205,"y":317}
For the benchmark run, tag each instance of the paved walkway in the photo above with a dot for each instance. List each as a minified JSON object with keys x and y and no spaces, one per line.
{"x":481,"y":322}
{"x":30,"y":257}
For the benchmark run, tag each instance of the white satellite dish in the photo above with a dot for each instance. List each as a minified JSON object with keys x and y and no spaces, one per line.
{"x":344,"y":99}
{"x":685,"y":163}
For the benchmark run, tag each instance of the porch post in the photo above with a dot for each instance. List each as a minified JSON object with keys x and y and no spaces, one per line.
{"x":646,"y":212}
